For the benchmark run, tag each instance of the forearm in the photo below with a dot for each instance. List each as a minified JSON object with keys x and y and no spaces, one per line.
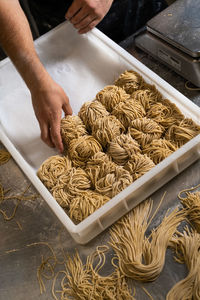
{"x":16,"y":40}
{"x":48,"y":98}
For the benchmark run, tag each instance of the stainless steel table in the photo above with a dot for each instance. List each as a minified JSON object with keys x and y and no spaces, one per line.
{"x":22,"y":239}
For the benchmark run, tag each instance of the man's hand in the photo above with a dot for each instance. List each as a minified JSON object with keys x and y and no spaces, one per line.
{"x":48,"y":97}
{"x":86,"y":14}
{"x":48,"y":103}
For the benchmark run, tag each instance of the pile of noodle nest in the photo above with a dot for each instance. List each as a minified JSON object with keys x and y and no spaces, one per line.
{"x":116,"y":138}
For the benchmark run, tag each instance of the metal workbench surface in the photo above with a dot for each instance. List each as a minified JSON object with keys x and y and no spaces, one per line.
{"x":23,"y":239}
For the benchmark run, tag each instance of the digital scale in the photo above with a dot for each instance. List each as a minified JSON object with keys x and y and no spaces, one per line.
{"x":173,"y":37}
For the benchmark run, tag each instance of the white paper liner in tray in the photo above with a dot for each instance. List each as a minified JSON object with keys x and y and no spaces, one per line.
{"x":83,"y":65}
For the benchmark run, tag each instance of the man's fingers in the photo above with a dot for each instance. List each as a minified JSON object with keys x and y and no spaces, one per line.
{"x":73,"y":9}
{"x":56,"y":136}
{"x":88,"y":27}
{"x":79,"y":16}
{"x":50,"y":134}
{"x":48,"y":103}
{"x":86,"y":14}
{"x":82,"y":16}
{"x":45,"y":134}
{"x":50,"y":129}
{"x":85,"y":22}
{"x":67,"y":109}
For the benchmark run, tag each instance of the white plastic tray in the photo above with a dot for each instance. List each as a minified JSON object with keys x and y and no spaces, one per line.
{"x":83,"y":65}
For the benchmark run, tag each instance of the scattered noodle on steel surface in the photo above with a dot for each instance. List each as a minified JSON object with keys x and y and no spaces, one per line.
{"x":17,"y":200}
{"x":4,"y":156}
{"x":191,"y":88}
{"x":83,"y":281}
{"x":47,"y":267}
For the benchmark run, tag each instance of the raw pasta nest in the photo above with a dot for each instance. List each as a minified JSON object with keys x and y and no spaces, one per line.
{"x":165,"y":113}
{"x":106,"y":128}
{"x":80,"y":150}
{"x":94,"y":164}
{"x":147,"y":96}
{"x":159,"y":149}
{"x":112,"y":179}
{"x":77,"y":181}
{"x":92,"y":111}
{"x":138,"y":165}
{"x":182,"y":133}
{"x":145,"y":130}
{"x":85,"y":204}
{"x":108,"y":178}
{"x":53,"y":169}
{"x":112,"y":95}
{"x":122,"y":147}
{"x":72,"y":127}
{"x":130,"y":81}
{"x":127,"y":111}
